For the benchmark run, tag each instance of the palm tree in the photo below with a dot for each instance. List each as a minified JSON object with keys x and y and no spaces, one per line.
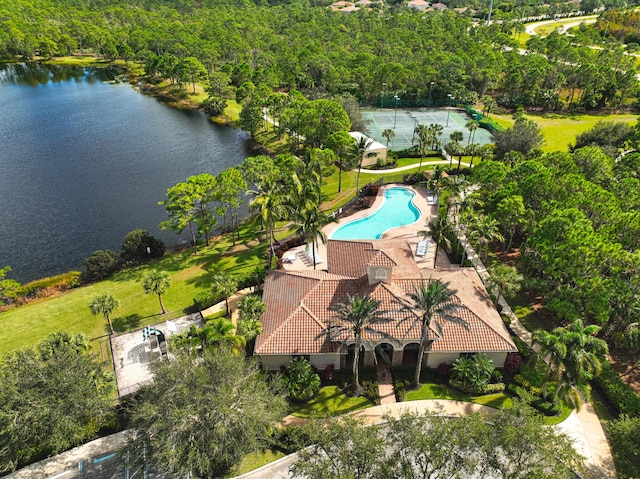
{"x":250,"y":308}
{"x":506,"y":281}
{"x":351,"y":320}
{"x":436,"y":182}
{"x":268,"y":207}
{"x":389,"y":134}
{"x":357,"y":152}
{"x":104,"y":304}
{"x":423,"y":140}
{"x":435,"y":130}
{"x":551,"y":351}
{"x":485,"y":230}
{"x":224,"y":285}
{"x":431,"y":300}
{"x":221,"y":331}
{"x":157,"y":282}
{"x":438,"y":227}
{"x":456,"y":138}
{"x":472,"y":126}
{"x":583,"y":362}
{"x":62,"y":340}
{"x":488,"y":103}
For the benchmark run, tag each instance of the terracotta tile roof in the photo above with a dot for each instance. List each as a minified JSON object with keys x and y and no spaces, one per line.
{"x":380,"y":258}
{"x":301,"y":304}
{"x":348,"y":258}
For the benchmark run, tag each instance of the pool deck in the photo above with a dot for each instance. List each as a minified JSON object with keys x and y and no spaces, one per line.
{"x":301,"y":256}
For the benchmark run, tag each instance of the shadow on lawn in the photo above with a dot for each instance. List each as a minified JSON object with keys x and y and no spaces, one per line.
{"x":127,"y":323}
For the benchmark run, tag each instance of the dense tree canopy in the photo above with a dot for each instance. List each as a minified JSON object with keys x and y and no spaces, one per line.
{"x":294,"y":46}
{"x":202,"y":414}
{"x":52,"y":398}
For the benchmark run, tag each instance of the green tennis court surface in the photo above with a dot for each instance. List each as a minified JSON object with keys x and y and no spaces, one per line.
{"x":403,"y":122}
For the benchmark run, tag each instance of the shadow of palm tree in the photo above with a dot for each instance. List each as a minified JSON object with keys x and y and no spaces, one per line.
{"x":127,"y":323}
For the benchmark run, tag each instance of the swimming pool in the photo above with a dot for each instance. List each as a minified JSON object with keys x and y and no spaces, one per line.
{"x":397,"y":210}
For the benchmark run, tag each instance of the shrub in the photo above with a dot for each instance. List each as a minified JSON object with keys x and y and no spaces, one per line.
{"x":444,"y":370}
{"x":371,"y":391}
{"x":329,"y":373}
{"x":301,"y":381}
{"x":477,"y":390}
{"x":619,"y":394}
{"x":139,"y":246}
{"x":626,"y":445}
{"x":206,"y":299}
{"x":101,"y":264}
{"x":59,"y":282}
{"x":513,"y":363}
{"x":291,"y":439}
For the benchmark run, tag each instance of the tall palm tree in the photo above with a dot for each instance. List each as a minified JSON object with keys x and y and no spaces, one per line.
{"x":157,"y":282}
{"x":472,"y":126}
{"x":430,"y":301}
{"x":389,"y":134}
{"x":435,"y":130}
{"x":268,"y":207}
{"x":436,"y":182}
{"x":437,"y":228}
{"x":351,"y":320}
{"x":357,"y":152}
{"x":423,"y":141}
{"x":104,"y":304}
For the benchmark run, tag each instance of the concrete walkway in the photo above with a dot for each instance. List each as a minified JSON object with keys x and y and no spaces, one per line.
{"x":385,"y":386}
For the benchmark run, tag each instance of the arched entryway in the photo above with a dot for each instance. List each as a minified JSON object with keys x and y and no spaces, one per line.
{"x":410,"y":354}
{"x":351,"y":349}
{"x":384,"y":353}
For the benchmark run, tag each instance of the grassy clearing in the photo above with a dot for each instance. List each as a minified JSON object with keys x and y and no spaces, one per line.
{"x":560,"y":130}
{"x":253,"y":461}
{"x":189,"y":274}
{"x":330,"y":401}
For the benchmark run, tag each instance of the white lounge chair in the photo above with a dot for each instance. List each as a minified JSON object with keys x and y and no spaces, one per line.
{"x":290,"y":257}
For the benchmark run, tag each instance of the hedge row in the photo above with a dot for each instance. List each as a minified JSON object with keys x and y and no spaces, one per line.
{"x":619,"y":394}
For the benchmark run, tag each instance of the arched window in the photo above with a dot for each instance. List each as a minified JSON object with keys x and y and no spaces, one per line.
{"x":381,"y":273}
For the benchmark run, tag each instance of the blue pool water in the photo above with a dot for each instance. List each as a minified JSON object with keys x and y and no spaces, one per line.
{"x":397,"y":210}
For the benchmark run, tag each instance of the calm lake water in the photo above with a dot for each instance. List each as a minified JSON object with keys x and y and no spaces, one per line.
{"x":83,"y":162}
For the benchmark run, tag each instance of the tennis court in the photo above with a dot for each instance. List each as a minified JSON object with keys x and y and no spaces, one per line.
{"x":403,"y":122}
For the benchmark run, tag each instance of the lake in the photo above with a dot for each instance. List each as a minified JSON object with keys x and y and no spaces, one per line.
{"x":84,"y":161}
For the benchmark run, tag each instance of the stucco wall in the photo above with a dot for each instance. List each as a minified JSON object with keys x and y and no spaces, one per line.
{"x":435,"y":359}
{"x":321,"y":360}
{"x":275,"y":361}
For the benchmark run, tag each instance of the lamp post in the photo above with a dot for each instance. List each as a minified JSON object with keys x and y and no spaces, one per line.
{"x":448,"y":109}
{"x":430,"y":88}
{"x":382,"y":96}
{"x":395,"y":116}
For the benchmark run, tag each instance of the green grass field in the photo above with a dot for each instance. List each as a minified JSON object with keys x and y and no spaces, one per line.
{"x":330,"y":401}
{"x":559,"y":130}
{"x":27,"y":325}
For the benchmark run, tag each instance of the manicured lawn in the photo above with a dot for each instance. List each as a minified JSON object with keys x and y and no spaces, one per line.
{"x":560,"y":130}
{"x":330,"y":401}
{"x":254,"y":461}
{"x":527,"y":315}
{"x":441,"y":391}
{"x":189,"y":274}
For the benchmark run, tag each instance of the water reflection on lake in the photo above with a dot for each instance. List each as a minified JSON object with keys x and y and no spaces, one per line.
{"x":83,"y":162}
